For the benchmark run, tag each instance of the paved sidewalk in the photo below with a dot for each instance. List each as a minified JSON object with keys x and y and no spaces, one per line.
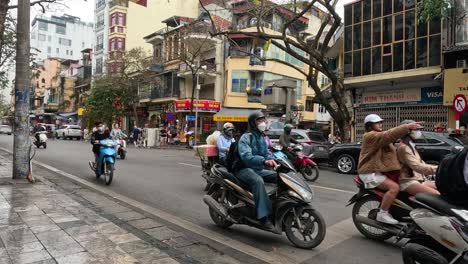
{"x":56,"y":221}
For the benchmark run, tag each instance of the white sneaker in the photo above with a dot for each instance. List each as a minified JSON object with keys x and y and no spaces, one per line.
{"x":385,"y":217}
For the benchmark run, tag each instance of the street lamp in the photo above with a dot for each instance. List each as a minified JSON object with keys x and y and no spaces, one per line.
{"x":198,"y":98}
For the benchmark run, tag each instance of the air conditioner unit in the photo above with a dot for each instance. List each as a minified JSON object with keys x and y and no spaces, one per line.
{"x":461,"y":63}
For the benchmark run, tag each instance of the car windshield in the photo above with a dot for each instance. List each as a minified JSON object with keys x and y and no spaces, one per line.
{"x":316,"y":137}
{"x":459,"y":139}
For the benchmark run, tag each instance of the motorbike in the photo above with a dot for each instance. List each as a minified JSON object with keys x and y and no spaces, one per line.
{"x":230,"y":203}
{"x":304,"y":164}
{"x":367,"y":205}
{"x":121,"y":148}
{"x":106,"y":160}
{"x":42,"y":139}
{"x":439,"y":232}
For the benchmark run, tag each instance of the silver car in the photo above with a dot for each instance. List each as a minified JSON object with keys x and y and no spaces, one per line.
{"x":69,"y":131}
{"x":5,"y":129}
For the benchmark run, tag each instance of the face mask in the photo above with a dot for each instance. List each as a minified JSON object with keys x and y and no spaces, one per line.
{"x":416,"y":134}
{"x":230,"y":133}
{"x":100,"y":129}
{"x":262,"y":126}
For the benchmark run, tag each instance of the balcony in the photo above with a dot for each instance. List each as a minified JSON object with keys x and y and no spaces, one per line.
{"x":158,"y":93}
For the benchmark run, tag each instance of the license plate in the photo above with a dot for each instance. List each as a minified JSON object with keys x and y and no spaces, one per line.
{"x":321,"y":148}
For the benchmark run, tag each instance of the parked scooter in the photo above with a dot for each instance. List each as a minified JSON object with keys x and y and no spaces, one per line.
{"x":439,"y":234}
{"x":230,"y":203}
{"x":305,"y":165}
{"x":42,"y":135}
{"x":106,"y":160}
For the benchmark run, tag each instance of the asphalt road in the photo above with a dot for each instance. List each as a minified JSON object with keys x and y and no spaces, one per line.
{"x":170,"y":180}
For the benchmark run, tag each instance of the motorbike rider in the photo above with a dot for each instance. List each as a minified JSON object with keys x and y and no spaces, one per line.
{"x":97,"y":136}
{"x":413,"y":169}
{"x":39,"y":128}
{"x":254,"y":155}
{"x":117,"y":134}
{"x":285,"y":139}
{"x":224,"y":141}
{"x":378,"y":162}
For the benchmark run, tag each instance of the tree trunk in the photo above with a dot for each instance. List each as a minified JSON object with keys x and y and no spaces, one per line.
{"x":3,"y":14}
{"x":22,"y":93}
{"x":194,"y":87}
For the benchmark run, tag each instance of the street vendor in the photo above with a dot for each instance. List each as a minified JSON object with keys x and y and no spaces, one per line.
{"x":225,"y":140}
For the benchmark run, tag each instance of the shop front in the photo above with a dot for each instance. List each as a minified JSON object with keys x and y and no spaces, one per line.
{"x":455,"y":82}
{"x":201,"y":117}
{"x":420,"y":104}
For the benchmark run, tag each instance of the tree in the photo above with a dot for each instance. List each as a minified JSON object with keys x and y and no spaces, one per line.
{"x":116,"y":94}
{"x":289,"y":39}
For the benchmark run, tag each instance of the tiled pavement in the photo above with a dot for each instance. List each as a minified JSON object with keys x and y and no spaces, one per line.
{"x":57,"y":221}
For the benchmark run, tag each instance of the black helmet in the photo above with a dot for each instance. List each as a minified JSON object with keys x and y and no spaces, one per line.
{"x":253,"y":117}
{"x":409,"y":121}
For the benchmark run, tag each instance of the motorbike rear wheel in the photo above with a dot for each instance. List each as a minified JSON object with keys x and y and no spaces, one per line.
{"x":45,"y":145}
{"x":312,"y":223}
{"x":108,"y":172}
{"x":122,"y":154}
{"x":364,"y":207}
{"x":414,"y":253}
{"x":310,"y":172}
{"x":218,"y":219}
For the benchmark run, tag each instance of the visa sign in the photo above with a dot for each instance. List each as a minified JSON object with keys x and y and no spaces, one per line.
{"x":432,"y":95}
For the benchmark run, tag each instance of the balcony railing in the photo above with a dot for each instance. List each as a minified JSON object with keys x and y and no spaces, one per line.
{"x":158,"y":93}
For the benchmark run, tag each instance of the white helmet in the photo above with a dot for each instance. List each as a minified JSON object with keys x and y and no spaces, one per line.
{"x":372,"y":118}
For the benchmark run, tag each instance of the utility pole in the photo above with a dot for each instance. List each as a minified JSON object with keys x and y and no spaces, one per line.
{"x":22,"y":93}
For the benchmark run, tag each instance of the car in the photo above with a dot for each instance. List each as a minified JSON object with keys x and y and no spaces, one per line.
{"x":432,"y":147}
{"x":314,"y":141}
{"x":69,"y":131}
{"x":5,"y":129}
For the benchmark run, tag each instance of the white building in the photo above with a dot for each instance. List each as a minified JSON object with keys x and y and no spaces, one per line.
{"x":101,"y":34}
{"x":60,"y":36}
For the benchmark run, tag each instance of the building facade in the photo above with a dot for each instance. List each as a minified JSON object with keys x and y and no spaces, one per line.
{"x":60,"y":36}
{"x":392,"y":63}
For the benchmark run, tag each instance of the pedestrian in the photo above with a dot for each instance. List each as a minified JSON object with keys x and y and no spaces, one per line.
{"x":136,"y":134}
{"x":440,"y":127}
{"x":162,"y":136}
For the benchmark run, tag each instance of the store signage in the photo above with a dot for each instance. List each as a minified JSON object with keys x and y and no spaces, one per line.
{"x":411,"y":96}
{"x":455,"y":82}
{"x":198,"y":105}
{"x":228,"y":118}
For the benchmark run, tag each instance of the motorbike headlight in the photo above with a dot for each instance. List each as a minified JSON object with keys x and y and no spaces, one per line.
{"x":303,"y":193}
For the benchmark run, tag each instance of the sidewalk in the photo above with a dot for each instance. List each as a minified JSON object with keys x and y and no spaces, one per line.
{"x":57,"y":221}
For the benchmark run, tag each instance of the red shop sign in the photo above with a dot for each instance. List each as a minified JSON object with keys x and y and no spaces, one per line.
{"x":200,"y":105}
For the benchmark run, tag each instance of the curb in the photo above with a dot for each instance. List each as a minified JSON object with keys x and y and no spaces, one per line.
{"x":260,"y":255}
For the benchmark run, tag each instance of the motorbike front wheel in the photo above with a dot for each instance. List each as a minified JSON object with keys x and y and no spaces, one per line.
{"x":108,"y":172}
{"x":306,"y":229}
{"x":414,"y":253}
{"x":310,"y":172}
{"x":218,"y":219}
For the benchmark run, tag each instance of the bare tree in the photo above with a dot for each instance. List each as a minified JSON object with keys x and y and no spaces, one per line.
{"x":288,"y":38}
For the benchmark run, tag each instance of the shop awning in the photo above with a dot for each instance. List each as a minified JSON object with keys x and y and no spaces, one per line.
{"x":234,"y":114}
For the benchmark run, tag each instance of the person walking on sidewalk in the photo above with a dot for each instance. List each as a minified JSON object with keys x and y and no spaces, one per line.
{"x":136,"y":134}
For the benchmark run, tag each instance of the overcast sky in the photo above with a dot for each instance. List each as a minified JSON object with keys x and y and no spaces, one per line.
{"x":83,"y":9}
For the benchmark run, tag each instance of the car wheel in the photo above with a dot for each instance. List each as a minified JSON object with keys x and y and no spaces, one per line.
{"x":346,"y":164}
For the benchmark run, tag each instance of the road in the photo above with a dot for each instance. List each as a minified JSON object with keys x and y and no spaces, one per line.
{"x":170,"y":180}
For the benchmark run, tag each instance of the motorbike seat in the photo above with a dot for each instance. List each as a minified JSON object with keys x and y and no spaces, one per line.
{"x":438,"y":203}
{"x":270,"y":187}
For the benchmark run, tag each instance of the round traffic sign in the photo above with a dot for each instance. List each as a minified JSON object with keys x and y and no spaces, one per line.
{"x":459,"y":103}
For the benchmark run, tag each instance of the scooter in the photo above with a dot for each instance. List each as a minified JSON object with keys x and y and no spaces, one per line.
{"x":305,"y":165}
{"x":230,"y":203}
{"x":42,"y":139}
{"x":444,"y":236}
{"x":121,"y":148}
{"x":106,"y":160}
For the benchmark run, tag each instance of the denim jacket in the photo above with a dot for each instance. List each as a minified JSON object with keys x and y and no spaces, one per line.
{"x":253,"y":150}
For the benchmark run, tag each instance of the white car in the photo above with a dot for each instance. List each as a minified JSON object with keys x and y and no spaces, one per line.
{"x":5,"y":129}
{"x":69,"y":131}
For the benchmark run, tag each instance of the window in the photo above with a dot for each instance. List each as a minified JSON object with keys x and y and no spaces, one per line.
{"x":357,"y":12}
{"x":357,"y":63}
{"x":309,"y":106}
{"x":33,"y":35}
{"x":434,"y":50}
{"x":376,"y":60}
{"x":65,"y":42}
{"x":409,"y":54}
{"x":366,"y":33}
{"x":100,"y":21}
{"x":387,"y":63}
{"x":322,"y":109}
{"x":49,"y":38}
{"x":398,"y":22}
{"x":398,"y":56}
{"x":43,"y":80}
{"x":121,"y":19}
{"x":410,"y":24}
{"x":66,"y":52}
{"x":348,"y":13}
{"x":49,"y":50}
{"x":43,"y":25}
{"x":100,"y":3}
{"x":71,"y":52}
{"x":376,"y":28}
{"x":421,"y":51}
{"x":387,"y":30}
{"x":296,"y":136}
{"x":387,"y":7}
{"x":397,"y":6}
{"x":99,"y":65}
{"x":348,"y":38}
{"x":357,"y":36}
{"x":41,"y":37}
{"x":239,"y":81}
{"x":82,"y":44}
{"x":367,"y":11}
{"x":100,"y":42}
{"x":377,"y":8}
{"x":409,"y":4}
{"x":422,"y":29}
{"x":348,"y":67}
{"x":59,"y":29}
{"x":57,"y":50}
{"x":434,"y":26}
{"x":366,"y":61}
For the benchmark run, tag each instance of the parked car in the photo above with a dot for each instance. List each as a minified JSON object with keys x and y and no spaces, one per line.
{"x":5,"y":129}
{"x":314,"y":141}
{"x":432,"y":146}
{"x":69,"y":131}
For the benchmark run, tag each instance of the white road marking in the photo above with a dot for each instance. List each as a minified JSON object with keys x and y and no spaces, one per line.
{"x":313,"y":185}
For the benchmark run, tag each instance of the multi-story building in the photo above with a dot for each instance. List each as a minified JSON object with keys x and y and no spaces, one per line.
{"x":60,"y":36}
{"x":392,"y":63}
{"x":122,"y":24}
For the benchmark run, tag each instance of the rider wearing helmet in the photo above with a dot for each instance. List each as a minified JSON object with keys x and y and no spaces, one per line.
{"x":378,"y":163}
{"x":285,"y":139}
{"x":413,"y":169}
{"x":254,"y":154}
{"x":225,"y":140}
